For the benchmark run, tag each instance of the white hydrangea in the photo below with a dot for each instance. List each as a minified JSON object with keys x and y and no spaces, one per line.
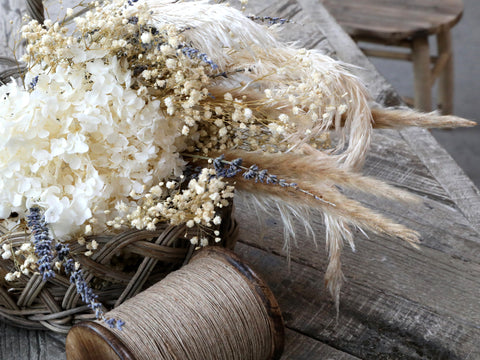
{"x":77,"y":145}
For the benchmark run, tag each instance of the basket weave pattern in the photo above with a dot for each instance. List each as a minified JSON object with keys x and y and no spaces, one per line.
{"x":55,"y":305}
{"x":122,"y":266}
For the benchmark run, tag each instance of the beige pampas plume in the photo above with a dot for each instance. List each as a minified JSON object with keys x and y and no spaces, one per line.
{"x":316,"y":169}
{"x":316,"y":193}
{"x":254,"y":61}
{"x":399,"y":118}
{"x":215,"y":29}
{"x":234,"y":42}
{"x":295,"y":96}
{"x":316,"y":187}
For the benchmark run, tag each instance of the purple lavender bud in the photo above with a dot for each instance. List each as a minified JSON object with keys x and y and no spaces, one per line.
{"x":33,"y":83}
{"x":83,"y":289}
{"x":41,"y":242}
{"x":193,"y":53}
{"x":110,"y":322}
{"x":120,"y":324}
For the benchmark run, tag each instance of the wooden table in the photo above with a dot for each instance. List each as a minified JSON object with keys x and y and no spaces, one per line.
{"x":398,"y":303}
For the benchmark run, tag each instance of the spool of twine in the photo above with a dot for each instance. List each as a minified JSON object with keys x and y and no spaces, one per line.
{"x":215,"y":307}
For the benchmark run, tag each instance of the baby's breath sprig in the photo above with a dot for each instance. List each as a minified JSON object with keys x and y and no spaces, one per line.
{"x":251,"y":173}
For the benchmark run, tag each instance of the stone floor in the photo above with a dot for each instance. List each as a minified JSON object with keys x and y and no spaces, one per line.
{"x":462,"y":144}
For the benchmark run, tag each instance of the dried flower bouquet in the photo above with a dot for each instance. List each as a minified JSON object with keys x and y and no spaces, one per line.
{"x":154,"y":111}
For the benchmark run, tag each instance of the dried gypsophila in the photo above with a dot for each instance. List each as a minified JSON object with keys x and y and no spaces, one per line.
{"x":195,"y":205}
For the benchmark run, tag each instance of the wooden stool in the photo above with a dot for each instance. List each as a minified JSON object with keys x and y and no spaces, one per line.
{"x":407,"y":23}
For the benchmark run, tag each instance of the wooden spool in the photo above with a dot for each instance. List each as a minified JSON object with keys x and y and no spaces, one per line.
{"x":94,"y":341}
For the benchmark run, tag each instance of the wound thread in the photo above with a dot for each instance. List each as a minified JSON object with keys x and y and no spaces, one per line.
{"x":209,"y":309}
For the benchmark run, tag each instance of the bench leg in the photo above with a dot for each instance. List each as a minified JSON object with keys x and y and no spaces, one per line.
{"x":422,"y":74}
{"x":445,"y":80}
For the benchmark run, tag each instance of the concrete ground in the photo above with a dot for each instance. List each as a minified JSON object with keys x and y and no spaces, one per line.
{"x":462,"y":144}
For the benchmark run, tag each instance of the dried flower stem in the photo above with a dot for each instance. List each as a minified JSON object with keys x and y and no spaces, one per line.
{"x":252,"y":173}
{"x":42,"y":242}
{"x":43,"y":248}
{"x":82,"y":288}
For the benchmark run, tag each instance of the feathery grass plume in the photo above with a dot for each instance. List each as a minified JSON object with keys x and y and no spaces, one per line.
{"x":266,"y":75}
{"x":337,"y":231}
{"x":334,"y":203}
{"x":315,"y":168}
{"x":234,"y":42}
{"x":319,"y":176}
{"x":399,"y":118}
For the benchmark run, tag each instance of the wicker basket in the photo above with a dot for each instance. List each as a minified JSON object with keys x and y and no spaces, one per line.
{"x":122,"y":266}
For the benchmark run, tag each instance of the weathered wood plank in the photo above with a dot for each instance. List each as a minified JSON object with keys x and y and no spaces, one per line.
{"x":299,"y":29}
{"x":372,"y":323}
{"x":447,"y":276}
{"x":444,"y":169}
{"x":392,"y":160}
{"x":22,"y":344}
{"x":301,"y":347}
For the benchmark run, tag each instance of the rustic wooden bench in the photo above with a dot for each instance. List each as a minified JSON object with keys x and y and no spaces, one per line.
{"x":407,"y":23}
{"x":398,"y":302}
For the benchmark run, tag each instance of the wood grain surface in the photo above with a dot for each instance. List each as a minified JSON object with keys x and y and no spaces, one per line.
{"x":398,"y":303}
{"x":394,"y":19}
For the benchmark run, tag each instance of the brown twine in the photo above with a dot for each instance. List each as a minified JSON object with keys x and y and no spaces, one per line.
{"x":205,"y":310}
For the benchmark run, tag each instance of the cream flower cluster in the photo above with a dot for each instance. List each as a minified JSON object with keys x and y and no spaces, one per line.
{"x":81,"y":138}
{"x":24,"y":256}
{"x":76,"y":144}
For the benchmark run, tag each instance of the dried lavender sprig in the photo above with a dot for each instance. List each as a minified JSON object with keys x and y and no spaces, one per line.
{"x":227,"y":172}
{"x":193,"y":53}
{"x":85,"y":291}
{"x":41,"y":242}
{"x":271,"y":20}
{"x":133,"y":20}
{"x":34,"y":82}
{"x":252,"y":173}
